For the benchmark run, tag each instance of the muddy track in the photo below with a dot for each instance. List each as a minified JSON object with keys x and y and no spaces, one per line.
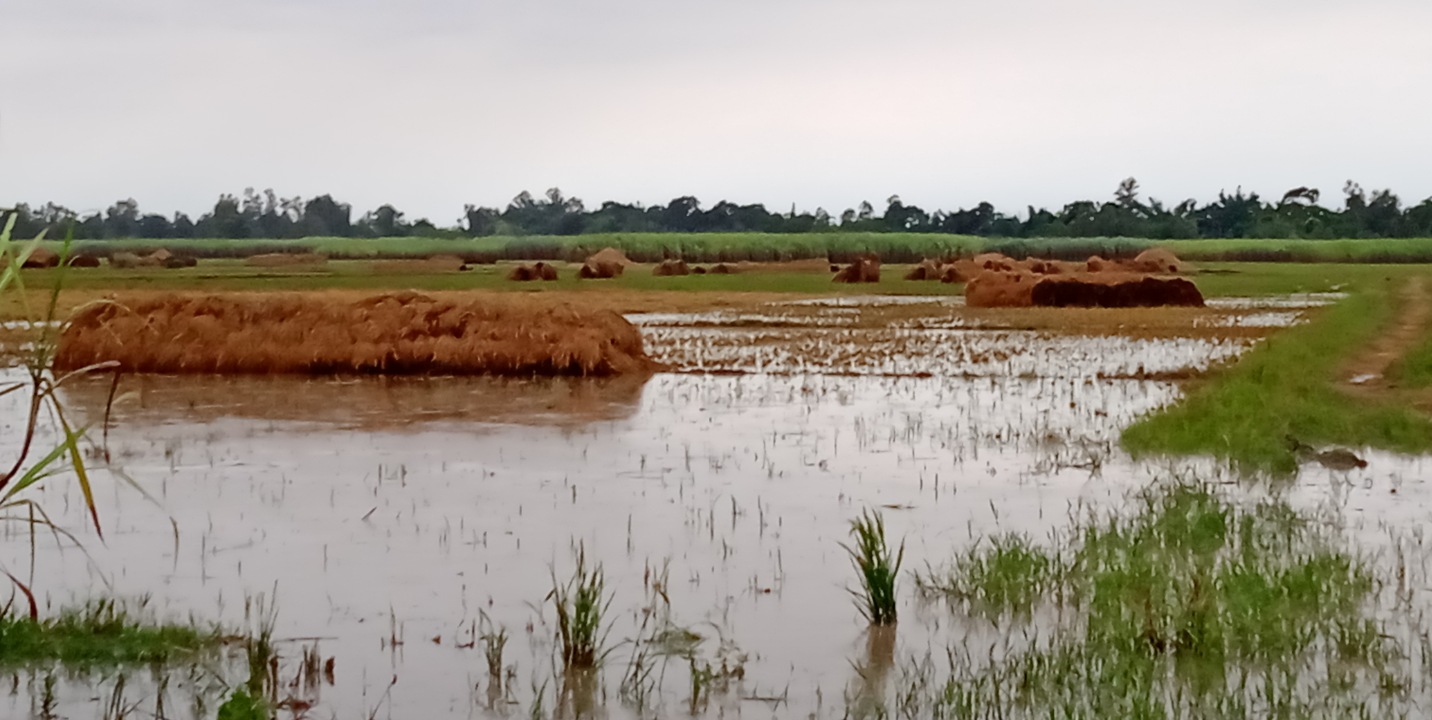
{"x":1366,"y":374}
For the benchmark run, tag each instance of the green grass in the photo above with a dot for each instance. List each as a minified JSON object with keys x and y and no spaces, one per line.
{"x":100,"y":633}
{"x":581,"y":604}
{"x":1284,"y":387}
{"x":877,"y":567}
{"x":1008,"y":575}
{"x":1189,"y":606}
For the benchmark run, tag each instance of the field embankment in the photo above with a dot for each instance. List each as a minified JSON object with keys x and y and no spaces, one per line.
{"x":767,"y":247}
{"x":1291,"y":390}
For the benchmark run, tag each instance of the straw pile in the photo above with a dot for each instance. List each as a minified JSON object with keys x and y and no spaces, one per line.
{"x":608,"y":263}
{"x":671,"y":268}
{"x":864,"y":268}
{"x":526,"y":273}
{"x":402,"y":333}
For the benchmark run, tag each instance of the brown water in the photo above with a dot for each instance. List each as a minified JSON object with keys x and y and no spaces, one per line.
{"x":387,"y":509}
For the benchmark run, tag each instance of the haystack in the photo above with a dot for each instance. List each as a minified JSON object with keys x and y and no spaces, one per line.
{"x":864,"y":269}
{"x":38,"y":258}
{"x":539,"y":271}
{"x":671,"y":268}
{"x":1157,"y":261}
{"x":84,"y":261}
{"x":158,"y":258}
{"x":396,"y":333}
{"x":722,"y":269}
{"x":999,"y":288}
{"x":698,"y":270}
{"x":1097,"y":264}
{"x":285,"y":259}
{"x":608,"y":263}
{"x":928,"y":269}
{"x":180,"y":261}
{"x":123,"y":259}
{"x":951,"y":274}
{"x":995,"y":261}
{"x":1142,"y":292}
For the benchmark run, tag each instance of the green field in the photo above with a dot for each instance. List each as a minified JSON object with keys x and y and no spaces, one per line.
{"x":728,"y":247}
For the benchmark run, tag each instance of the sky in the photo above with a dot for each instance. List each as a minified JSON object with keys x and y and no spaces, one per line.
{"x":433,"y":104}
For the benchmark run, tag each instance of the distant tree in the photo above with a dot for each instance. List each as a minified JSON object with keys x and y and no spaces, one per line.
{"x":481,"y":221}
{"x":325,"y":217}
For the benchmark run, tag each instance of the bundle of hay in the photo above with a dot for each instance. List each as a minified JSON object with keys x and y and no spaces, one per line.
{"x":928,"y":269}
{"x":722,"y":269}
{"x":1142,"y":292}
{"x":671,"y":268}
{"x":539,"y":271}
{"x":864,"y":269}
{"x":952,"y":274}
{"x":83,"y":261}
{"x":995,"y":261}
{"x":398,"y":333}
{"x":1000,"y":288}
{"x":698,"y":270}
{"x":1096,"y":264}
{"x":124,"y":259}
{"x":608,"y":263}
{"x":180,"y":261}
{"x":38,"y":258}
{"x":285,"y":259}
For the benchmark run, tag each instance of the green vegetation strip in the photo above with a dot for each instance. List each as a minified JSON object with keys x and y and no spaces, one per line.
{"x":1190,"y":606}
{"x":99,"y":633}
{"x":1284,"y":388}
{"x":730,"y":247}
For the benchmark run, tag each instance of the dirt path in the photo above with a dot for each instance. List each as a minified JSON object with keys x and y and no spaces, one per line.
{"x":1367,"y":372}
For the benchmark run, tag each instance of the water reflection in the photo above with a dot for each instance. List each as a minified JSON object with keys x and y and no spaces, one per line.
{"x":364,"y":403}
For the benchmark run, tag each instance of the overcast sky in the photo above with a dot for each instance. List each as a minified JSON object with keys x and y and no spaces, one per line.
{"x":431,"y":104}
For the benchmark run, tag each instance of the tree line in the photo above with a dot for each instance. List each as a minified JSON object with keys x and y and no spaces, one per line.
{"x":265,"y":215}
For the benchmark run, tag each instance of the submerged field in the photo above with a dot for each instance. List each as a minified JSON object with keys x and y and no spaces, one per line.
{"x":410,"y":527}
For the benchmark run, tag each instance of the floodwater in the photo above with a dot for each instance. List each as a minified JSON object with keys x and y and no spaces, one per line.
{"x":389,"y":517}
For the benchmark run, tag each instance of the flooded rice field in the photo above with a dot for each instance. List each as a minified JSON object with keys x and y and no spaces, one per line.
{"x":393,"y":523}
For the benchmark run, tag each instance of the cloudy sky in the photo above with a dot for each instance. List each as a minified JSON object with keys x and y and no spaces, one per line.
{"x":431,"y":104}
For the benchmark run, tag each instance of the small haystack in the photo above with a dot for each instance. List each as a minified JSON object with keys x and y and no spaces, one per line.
{"x":928,"y":269}
{"x":698,"y":270}
{"x":1096,"y":264}
{"x":951,"y":274}
{"x":122,"y":259}
{"x":1142,"y":292}
{"x":180,"y":261}
{"x":396,"y":333}
{"x":608,"y":263}
{"x":995,"y":261}
{"x":1157,"y":261}
{"x":671,"y":268}
{"x":83,"y":261}
{"x":539,"y":271}
{"x":722,"y":269}
{"x":285,"y":259}
{"x":864,"y":269}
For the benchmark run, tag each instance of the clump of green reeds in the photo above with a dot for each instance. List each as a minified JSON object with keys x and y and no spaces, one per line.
{"x":581,"y":604}
{"x":1188,"y":606}
{"x":878,"y":567}
{"x":1008,"y":574}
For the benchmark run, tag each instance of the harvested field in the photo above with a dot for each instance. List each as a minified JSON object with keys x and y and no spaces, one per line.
{"x":401,"y":333}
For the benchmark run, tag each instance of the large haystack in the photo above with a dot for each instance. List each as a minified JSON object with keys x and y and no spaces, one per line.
{"x":1140,"y":292}
{"x":864,"y":269}
{"x":671,"y":268}
{"x":608,"y":263}
{"x":402,"y":333}
{"x":285,"y":259}
{"x":999,"y":288}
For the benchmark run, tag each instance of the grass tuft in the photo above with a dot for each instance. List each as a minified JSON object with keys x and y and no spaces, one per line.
{"x":877,"y":566}
{"x":101,"y":633}
{"x":581,"y":604}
